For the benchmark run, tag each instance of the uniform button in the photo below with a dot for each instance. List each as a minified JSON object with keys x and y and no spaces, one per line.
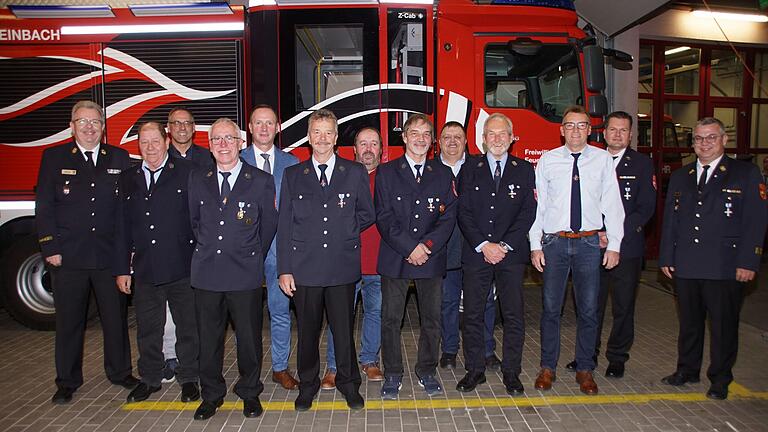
{"x":417,"y":202}
{"x":325,"y":219}
{"x":398,"y":198}
{"x":146,"y":214}
{"x":93,"y":214}
{"x":415,"y":229}
{"x":493,"y":194}
{"x":416,"y":216}
{"x":218,"y":251}
{"x":146,"y":198}
{"x":191,"y":242}
{"x":294,"y":248}
{"x":699,"y":202}
{"x":695,"y":240}
{"x":489,"y":235}
{"x":93,"y":199}
{"x":325,"y":205}
{"x":220,"y":237}
{"x":253,"y":253}
{"x":477,"y":188}
{"x":491,"y":207}
{"x":151,"y":227}
{"x":325,"y":245}
{"x":698,"y":215}
{"x":201,"y":203}
{"x":696,"y":228}
{"x":93,"y":184}
{"x":153,"y":241}
{"x":93,"y":229}
{"x":221,"y":222}
{"x":490,"y":221}
{"x":325,"y":232}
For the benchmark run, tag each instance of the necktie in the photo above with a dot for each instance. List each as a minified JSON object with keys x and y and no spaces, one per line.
{"x":615,"y":157}
{"x":152,"y":178}
{"x":418,"y":173}
{"x":575,"y":195}
{"x":323,"y":178}
{"x":497,"y":175}
{"x":225,"y":189}
{"x":89,"y":158}
{"x":267,"y":166}
{"x":703,"y":178}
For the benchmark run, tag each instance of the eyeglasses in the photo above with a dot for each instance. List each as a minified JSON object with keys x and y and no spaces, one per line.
{"x":82,"y":122}
{"x":709,"y":138}
{"x":178,"y":124}
{"x":229,"y":139}
{"x":577,"y":125}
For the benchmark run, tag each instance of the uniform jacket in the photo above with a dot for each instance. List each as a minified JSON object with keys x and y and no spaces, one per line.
{"x":319,"y":230}
{"x":709,"y":235}
{"x":76,"y":205}
{"x":199,"y":156}
{"x":488,"y":215}
{"x":638,"y":194}
{"x":409,"y":213}
{"x":282,"y":161}
{"x":232,"y":239}
{"x":156,"y":226}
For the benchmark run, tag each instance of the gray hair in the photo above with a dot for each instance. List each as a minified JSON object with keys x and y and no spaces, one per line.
{"x":86,"y":104}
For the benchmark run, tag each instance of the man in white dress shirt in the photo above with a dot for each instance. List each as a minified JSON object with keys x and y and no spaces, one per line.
{"x":577,"y":193}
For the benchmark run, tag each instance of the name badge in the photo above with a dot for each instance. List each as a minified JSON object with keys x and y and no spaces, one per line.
{"x":69,"y":172}
{"x":732,"y":191}
{"x":113,"y":171}
{"x":627,"y":177}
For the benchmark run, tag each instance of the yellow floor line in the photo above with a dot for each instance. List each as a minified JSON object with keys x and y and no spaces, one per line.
{"x":736,"y":392}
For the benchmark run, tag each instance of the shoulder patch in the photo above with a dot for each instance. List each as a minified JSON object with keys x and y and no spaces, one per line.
{"x":210,"y":173}
{"x":74,"y":150}
{"x":763,"y":192}
{"x":45,"y":239}
{"x":306,"y":171}
{"x":341,"y":168}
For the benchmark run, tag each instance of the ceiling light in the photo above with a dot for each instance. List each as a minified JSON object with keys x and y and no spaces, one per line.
{"x":731,"y":16}
{"x":95,"y":11}
{"x":180,"y":9}
{"x":676,"y":50}
{"x":153,"y":28}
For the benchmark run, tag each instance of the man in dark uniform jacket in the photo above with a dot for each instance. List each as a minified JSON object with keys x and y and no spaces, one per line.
{"x":496,"y":209}
{"x":181,"y":127}
{"x":153,"y":226}
{"x":712,"y":238}
{"x":232,"y":209}
{"x":415,"y":202}
{"x":76,"y":207}
{"x":325,"y":203}
{"x":638,"y":195}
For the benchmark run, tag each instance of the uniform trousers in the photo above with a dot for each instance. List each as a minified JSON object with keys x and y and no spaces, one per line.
{"x":621,"y":282}
{"x":73,"y":289}
{"x":338,"y":303}
{"x":509,"y":289}
{"x":150,"y":301}
{"x":394,"y":294}
{"x":245,"y":309}
{"x":720,"y":300}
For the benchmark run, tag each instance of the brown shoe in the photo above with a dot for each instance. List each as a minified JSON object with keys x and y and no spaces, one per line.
{"x":545,"y":379}
{"x":329,"y":381}
{"x":285,"y":379}
{"x":587,"y":384}
{"x":372,"y":371}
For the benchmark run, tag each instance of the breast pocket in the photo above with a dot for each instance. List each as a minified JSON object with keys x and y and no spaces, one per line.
{"x":302,"y":204}
{"x":68,"y":188}
{"x":401,"y":203}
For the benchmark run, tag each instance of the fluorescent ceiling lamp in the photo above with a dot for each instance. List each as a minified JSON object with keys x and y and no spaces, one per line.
{"x":152,"y":28}
{"x":731,"y":16}
{"x":180,"y":9}
{"x":255,"y":3}
{"x":96,"y":11}
{"x":428,"y":2}
{"x":676,"y":50}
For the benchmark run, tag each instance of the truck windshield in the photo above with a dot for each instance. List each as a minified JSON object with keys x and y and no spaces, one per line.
{"x":542,"y":78}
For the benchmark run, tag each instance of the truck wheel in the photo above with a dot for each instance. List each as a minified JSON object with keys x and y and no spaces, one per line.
{"x":26,"y":285}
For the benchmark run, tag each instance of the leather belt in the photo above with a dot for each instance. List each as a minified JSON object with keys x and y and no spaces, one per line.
{"x":572,"y":235}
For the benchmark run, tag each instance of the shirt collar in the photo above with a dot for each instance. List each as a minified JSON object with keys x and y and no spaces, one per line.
{"x":95,"y":150}
{"x":331,"y":163}
{"x":162,"y":165}
{"x":457,"y":166}
{"x":712,"y":164}
{"x":412,"y":163}
{"x":235,"y":171}
{"x":271,"y":152}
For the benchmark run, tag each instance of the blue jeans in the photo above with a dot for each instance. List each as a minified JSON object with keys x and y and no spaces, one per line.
{"x":450,"y":315}
{"x":279,"y":316}
{"x":370,"y":285}
{"x":581,"y":258}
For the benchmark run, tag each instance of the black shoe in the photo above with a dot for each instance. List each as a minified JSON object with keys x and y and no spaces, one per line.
{"x":142,"y":392}
{"x":63,"y":395}
{"x":615,"y":370}
{"x":679,"y":378}
{"x":717,"y":393}
{"x":303,"y":402}
{"x":189,"y":392}
{"x":513,"y":385}
{"x":252,"y":408}
{"x":129,"y":382}
{"x":355,"y":401}
{"x":448,"y":361}
{"x":572,"y":366}
{"x":492,"y":362}
{"x":470,"y":381}
{"x":207,"y":409}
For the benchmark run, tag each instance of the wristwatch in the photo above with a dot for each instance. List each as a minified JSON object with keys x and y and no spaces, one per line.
{"x":507,"y":247}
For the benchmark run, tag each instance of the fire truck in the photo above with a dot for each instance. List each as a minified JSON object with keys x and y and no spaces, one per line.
{"x":372,"y":62}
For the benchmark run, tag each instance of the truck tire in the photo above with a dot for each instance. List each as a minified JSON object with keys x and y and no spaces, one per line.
{"x":26,"y":285}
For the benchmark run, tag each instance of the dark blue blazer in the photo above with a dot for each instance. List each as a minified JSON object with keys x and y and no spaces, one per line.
{"x":709,"y":235}
{"x":282,"y":161}
{"x":232,"y":239}
{"x":76,"y":205}
{"x":318,"y":236}
{"x":488,"y":215}
{"x":638,"y":194}
{"x":156,"y":226}
{"x":409,"y":213}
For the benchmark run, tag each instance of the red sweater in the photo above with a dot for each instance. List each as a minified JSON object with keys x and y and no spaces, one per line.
{"x":370,"y":239}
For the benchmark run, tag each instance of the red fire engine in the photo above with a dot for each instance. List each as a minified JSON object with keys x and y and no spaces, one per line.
{"x":371,"y":62}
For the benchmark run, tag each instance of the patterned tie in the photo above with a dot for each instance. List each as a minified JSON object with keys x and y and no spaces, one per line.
{"x":267,"y":166}
{"x":575,"y":195}
{"x":703,"y":178}
{"x":323,"y":178}
{"x":418,"y":173}
{"x":497,"y":175}
{"x":225,"y":189}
